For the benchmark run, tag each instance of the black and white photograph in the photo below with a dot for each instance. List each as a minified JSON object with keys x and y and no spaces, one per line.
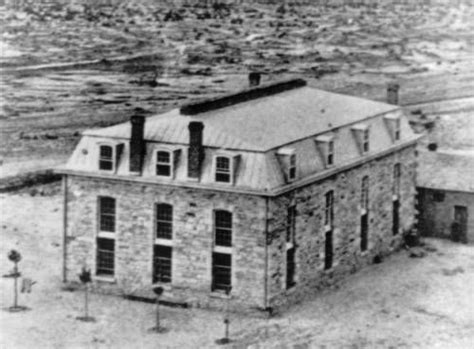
{"x":237,"y":174}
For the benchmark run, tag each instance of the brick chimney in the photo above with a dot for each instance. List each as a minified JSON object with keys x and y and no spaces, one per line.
{"x":254,"y":79}
{"x":195,"y":151}
{"x":137,"y":143}
{"x":392,"y":93}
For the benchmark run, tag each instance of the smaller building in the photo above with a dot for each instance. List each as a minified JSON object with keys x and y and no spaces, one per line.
{"x":446,"y":195}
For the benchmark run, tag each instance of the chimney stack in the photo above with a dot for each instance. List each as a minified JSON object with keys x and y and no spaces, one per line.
{"x":392,"y":93}
{"x":254,"y":79}
{"x":137,"y":143}
{"x":196,"y":150}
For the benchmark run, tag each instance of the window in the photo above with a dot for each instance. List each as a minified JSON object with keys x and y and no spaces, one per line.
{"x":106,"y":158}
{"x":162,"y":257}
{"x":105,"y":256}
{"x":163,"y":163}
{"x":396,"y":130}
{"x":365,"y":140}
{"x":106,"y":214}
{"x":364,"y":194}
{"x":364,"y":219}
{"x":290,"y":226}
{"x":329,"y":209}
{"x":328,"y":250}
{"x":221,"y":257}
{"x":330,"y":154}
{"x":223,"y":171}
{"x":221,"y":271}
{"x":290,"y":267}
{"x":396,"y":179}
{"x":290,"y":247}
{"x":164,"y":221}
{"x":223,"y":228}
{"x":292,"y":167}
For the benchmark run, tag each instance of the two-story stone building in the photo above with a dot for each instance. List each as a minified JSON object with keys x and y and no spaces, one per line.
{"x":270,"y":193}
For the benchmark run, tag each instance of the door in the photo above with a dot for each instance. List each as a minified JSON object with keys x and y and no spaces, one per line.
{"x":459,"y":228}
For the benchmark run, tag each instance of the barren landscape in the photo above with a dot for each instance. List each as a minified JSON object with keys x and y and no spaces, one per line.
{"x":402,"y":303}
{"x":66,"y":68}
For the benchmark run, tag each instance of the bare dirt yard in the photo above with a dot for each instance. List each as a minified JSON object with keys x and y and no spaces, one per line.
{"x":401,"y":303}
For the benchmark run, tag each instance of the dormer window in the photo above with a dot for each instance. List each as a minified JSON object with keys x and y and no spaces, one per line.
{"x":361,"y":133}
{"x":288,"y":163}
{"x":106,"y":158}
{"x":292,"y":168}
{"x":325,"y":147}
{"x":330,"y":154}
{"x":366,"y":140}
{"x":163,"y":163}
{"x":393,"y":124}
{"x":397,"y":132}
{"x":223,"y":169}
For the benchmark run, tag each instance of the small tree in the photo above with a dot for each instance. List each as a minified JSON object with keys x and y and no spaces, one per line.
{"x":226,"y":339}
{"x":85,"y":277}
{"x":158,"y":290}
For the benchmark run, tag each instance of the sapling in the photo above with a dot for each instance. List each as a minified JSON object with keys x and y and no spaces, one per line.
{"x":85,"y":277}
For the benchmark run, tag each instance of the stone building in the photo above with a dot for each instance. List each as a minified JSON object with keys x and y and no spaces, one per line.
{"x":270,"y":193}
{"x":446,"y":194}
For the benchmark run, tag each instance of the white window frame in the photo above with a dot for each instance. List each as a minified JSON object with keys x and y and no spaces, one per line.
{"x":170,"y":163}
{"x":397,"y":131}
{"x":366,"y":140}
{"x":292,"y":167}
{"x":230,"y":173}
{"x":330,"y":153}
{"x":113,"y":158}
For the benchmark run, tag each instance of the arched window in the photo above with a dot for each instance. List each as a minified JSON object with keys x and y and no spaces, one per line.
{"x":106,"y":158}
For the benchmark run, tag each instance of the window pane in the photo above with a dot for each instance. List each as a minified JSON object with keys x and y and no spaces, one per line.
{"x":107,"y":214}
{"x":222,"y":164}
{"x":221,"y":271}
{"x":222,"y":177}
{"x":329,"y":211}
{"x":164,"y":221}
{"x":162,"y":259}
{"x":223,"y":228}
{"x":105,"y":256}
{"x":328,"y":251}
{"x":163,"y":156}
{"x":223,"y":219}
{"x":290,"y":228}
{"x":106,"y":152}
{"x":163,"y":170}
{"x":105,"y":158}
{"x":290,"y":267}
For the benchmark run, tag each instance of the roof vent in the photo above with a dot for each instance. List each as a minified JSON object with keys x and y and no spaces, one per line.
{"x":242,"y":96}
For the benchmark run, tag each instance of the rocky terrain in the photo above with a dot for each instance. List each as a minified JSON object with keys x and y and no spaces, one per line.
{"x":65,"y":68}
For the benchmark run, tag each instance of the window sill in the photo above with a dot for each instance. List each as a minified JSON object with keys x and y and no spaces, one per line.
{"x":218,"y":294}
{"x":105,"y":279}
{"x":166,"y":286}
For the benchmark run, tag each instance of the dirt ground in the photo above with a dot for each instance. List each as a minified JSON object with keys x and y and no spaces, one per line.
{"x":402,"y":303}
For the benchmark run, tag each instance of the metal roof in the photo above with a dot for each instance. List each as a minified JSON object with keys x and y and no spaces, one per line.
{"x":260,"y":124}
{"x":446,"y":171}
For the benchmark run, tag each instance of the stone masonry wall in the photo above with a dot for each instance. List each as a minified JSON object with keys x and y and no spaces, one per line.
{"x":192,"y":239}
{"x":310,"y":204}
{"x":436,"y":218}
